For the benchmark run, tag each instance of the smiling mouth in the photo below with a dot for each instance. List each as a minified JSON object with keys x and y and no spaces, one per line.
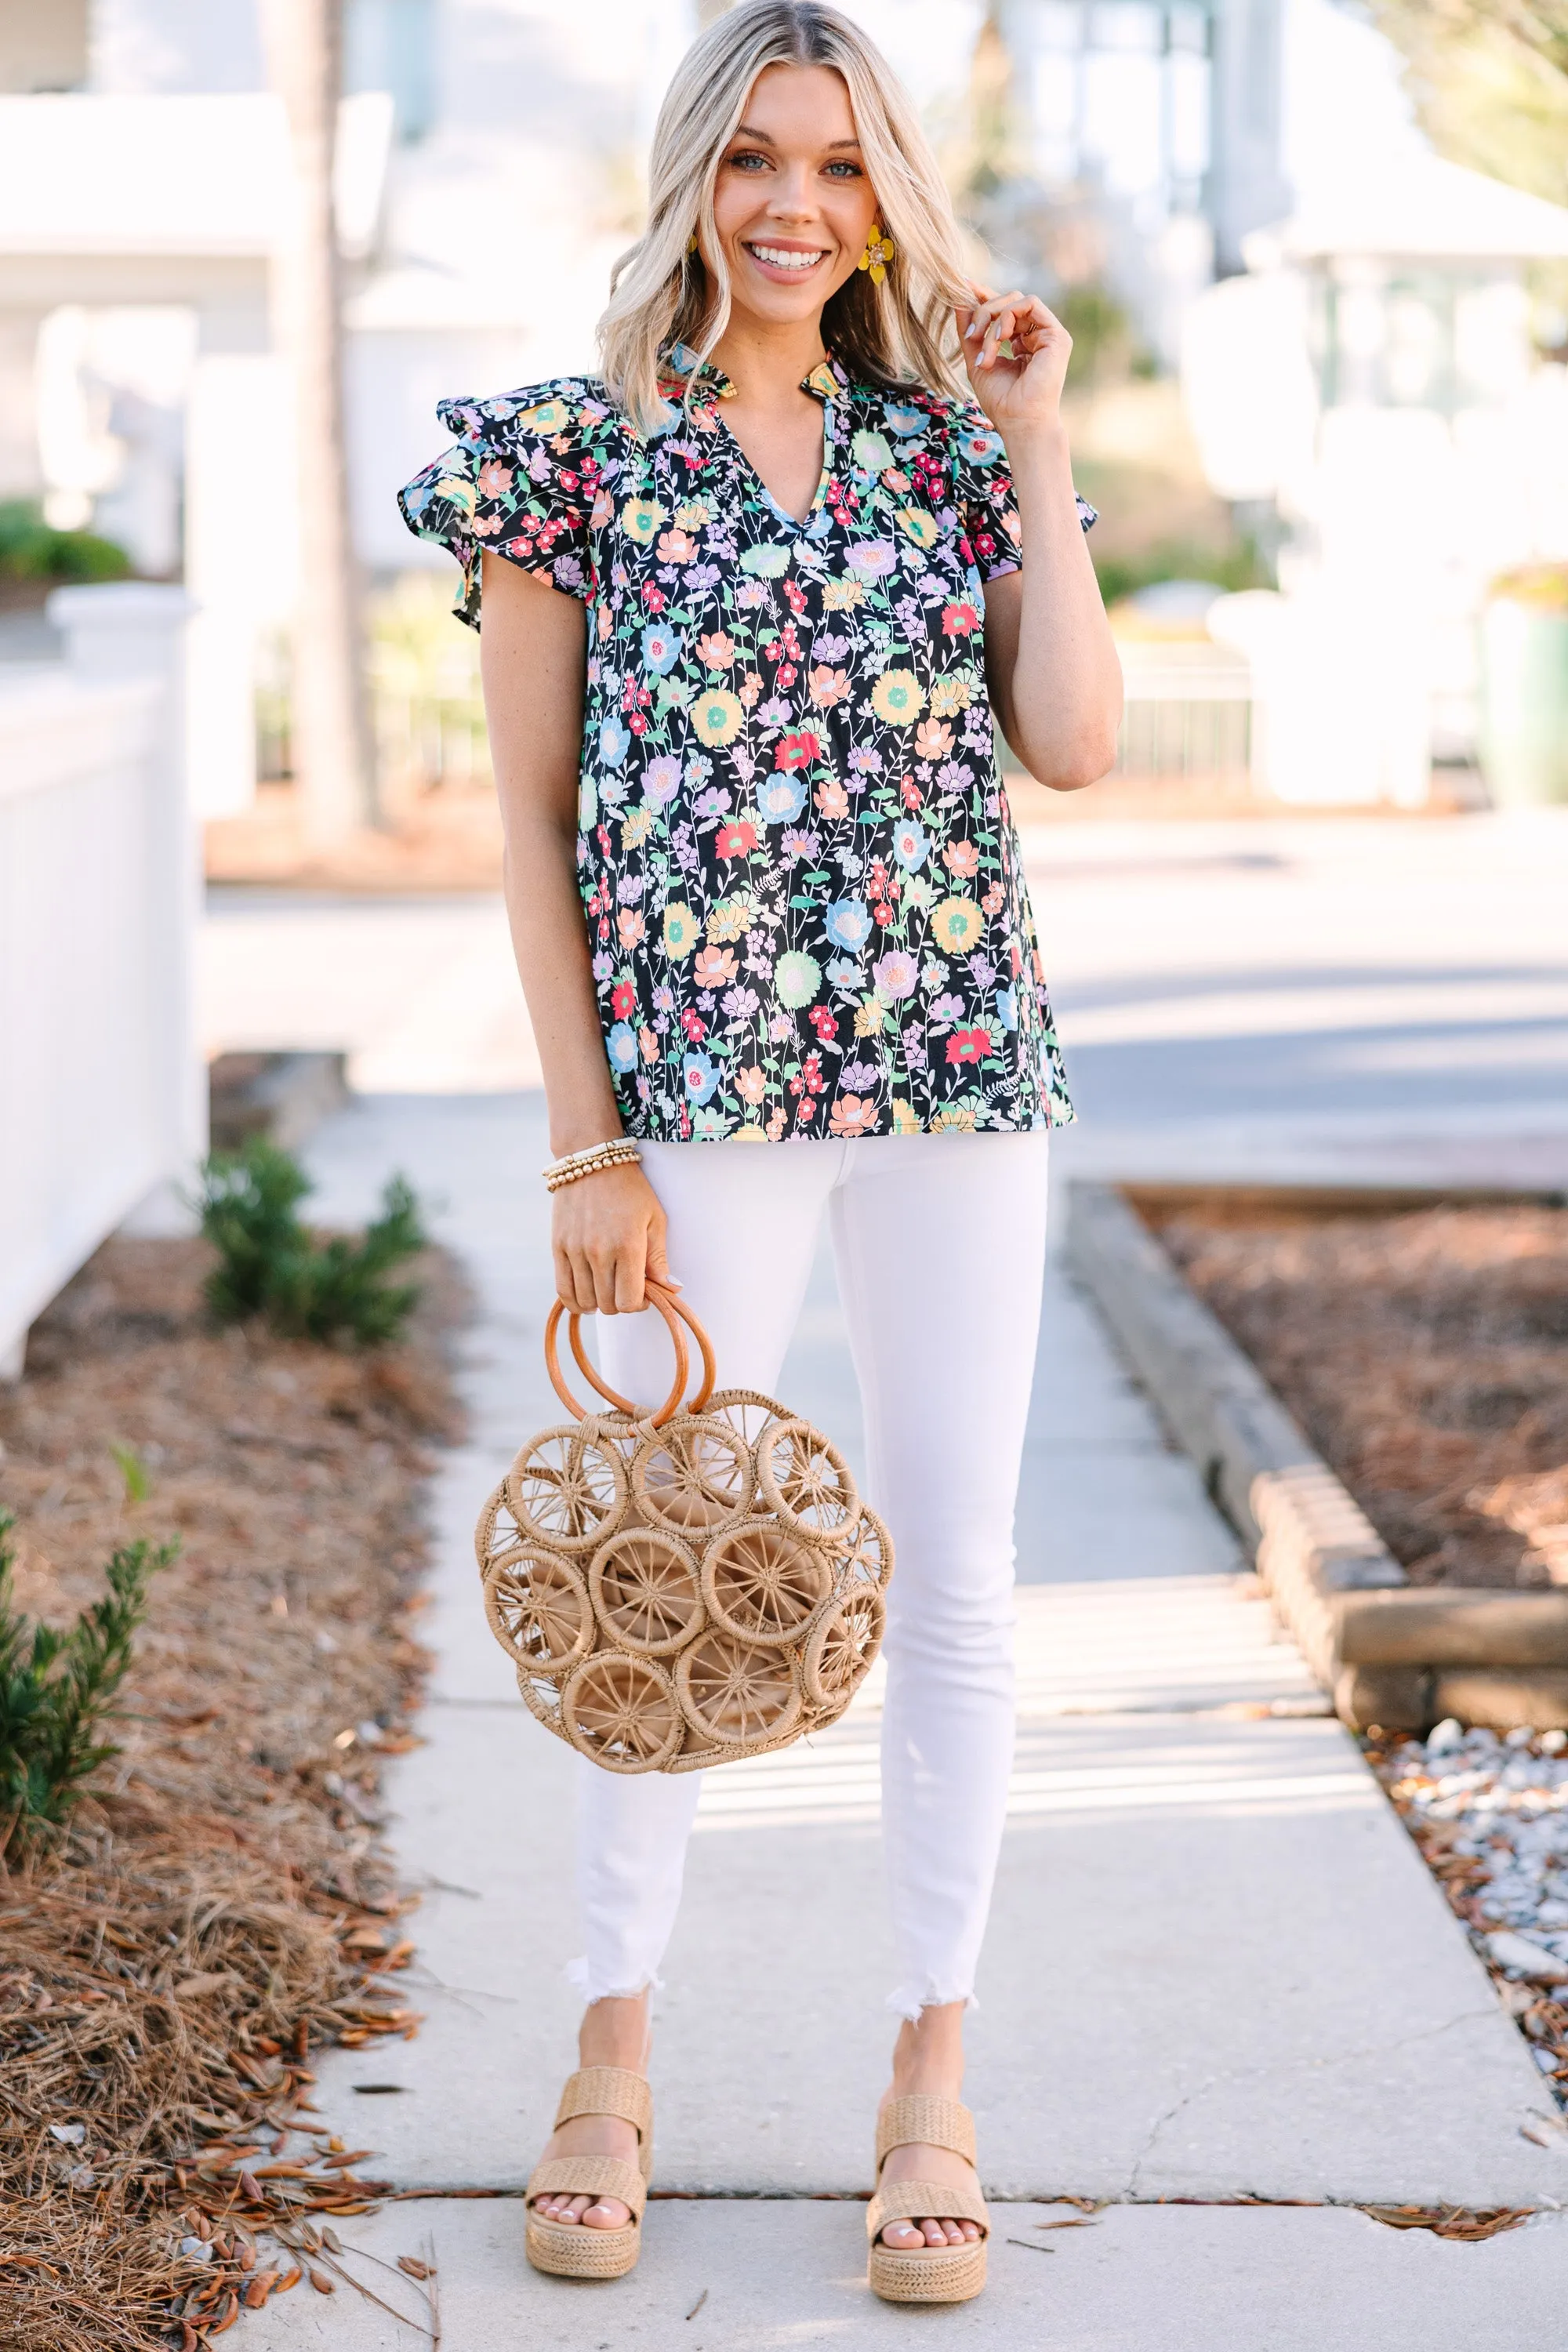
{"x":781,"y":257}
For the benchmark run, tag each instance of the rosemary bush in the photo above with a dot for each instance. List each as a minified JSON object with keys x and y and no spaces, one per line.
{"x":271,"y":1264}
{"x":57,"y":1687}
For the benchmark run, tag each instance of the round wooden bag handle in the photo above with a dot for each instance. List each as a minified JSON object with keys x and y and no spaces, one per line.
{"x":675,"y":1312}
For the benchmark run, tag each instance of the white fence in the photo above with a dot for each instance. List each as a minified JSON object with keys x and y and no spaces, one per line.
{"x":101,"y":1084}
{"x":1188,"y":714}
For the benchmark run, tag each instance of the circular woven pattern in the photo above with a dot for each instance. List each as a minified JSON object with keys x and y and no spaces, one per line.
{"x":542,"y":1697}
{"x":807,"y":1481}
{"x":646,"y":1592}
{"x":538,"y":1607}
{"x":498,"y":1533}
{"x":622,"y":1712}
{"x":567,"y":1489}
{"x":871,"y":1555}
{"x":843,"y":1647}
{"x":694,"y":1477}
{"x":682,"y":1588}
{"x":763,"y":1584}
{"x":735,"y":1694}
{"x":747,"y":1411}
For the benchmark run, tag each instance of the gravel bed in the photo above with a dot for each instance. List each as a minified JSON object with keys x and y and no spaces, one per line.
{"x":1490,"y":1816}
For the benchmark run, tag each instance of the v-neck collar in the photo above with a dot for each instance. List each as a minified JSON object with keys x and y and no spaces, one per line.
{"x":684,"y":373}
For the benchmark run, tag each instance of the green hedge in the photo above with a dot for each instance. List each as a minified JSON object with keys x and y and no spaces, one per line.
{"x":30,"y":550}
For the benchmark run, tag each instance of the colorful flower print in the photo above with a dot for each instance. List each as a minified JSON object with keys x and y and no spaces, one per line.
{"x":797,"y":978}
{"x":718,"y":717}
{"x":640,"y":519}
{"x":679,"y":930}
{"x":957,"y":924}
{"x":912,"y":845}
{"x":800,"y":877}
{"x":660,"y":649}
{"x":896,"y":974}
{"x":848,"y":922}
{"x":898,"y":696}
{"x":782,"y":798}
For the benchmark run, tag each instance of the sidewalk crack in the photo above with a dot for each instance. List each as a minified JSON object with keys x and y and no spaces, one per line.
{"x":1244,"y":2073}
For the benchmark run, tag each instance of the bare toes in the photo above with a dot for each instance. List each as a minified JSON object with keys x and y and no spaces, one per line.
{"x":934,"y":2233}
{"x":900,"y":2234}
{"x":606,"y":2215}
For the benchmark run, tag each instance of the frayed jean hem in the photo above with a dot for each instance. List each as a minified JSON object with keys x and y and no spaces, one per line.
{"x":578,"y":1975}
{"x":908,"y":2003}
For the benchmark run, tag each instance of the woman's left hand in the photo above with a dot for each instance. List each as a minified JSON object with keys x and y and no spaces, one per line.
{"x":1025,"y":390}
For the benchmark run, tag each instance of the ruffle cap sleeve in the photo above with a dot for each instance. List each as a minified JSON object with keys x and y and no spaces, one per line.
{"x":982,"y":493}
{"x":523,"y":478}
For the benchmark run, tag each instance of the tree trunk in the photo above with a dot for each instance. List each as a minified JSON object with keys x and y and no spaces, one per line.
{"x":333,"y":764}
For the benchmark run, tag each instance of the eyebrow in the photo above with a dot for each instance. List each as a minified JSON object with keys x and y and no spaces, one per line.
{"x":746,"y":131}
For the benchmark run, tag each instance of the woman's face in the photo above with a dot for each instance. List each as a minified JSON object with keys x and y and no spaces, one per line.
{"x":793,"y":203}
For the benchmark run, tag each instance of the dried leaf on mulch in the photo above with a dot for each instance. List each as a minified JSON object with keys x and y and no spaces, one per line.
{"x":1423,"y":1355}
{"x":220,"y":1906}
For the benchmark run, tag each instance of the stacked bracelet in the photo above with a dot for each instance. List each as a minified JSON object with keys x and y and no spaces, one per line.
{"x":620,"y":1152}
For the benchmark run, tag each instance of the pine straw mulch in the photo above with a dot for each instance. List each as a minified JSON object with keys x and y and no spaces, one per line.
{"x":1425,"y":1354}
{"x":220,"y":1906}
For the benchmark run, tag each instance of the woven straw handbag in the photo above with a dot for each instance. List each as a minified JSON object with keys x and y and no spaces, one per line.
{"x":686,"y":1588}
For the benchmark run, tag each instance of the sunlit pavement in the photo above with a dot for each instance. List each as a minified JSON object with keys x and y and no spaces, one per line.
{"x":1216,"y":1970}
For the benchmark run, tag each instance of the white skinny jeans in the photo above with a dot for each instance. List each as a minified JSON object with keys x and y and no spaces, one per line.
{"x":939,"y":1241}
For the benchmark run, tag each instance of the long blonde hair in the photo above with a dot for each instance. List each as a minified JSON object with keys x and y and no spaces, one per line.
{"x":900,"y":332}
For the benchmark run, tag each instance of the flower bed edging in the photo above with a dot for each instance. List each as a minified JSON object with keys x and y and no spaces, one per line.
{"x":1386,"y":1654}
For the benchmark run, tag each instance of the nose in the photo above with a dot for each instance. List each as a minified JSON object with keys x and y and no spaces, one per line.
{"x":792,"y":198}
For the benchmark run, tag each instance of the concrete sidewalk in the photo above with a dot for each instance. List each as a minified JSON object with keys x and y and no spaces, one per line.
{"x":1217,"y":1970}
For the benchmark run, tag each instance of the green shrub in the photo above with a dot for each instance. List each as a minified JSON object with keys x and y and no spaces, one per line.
{"x":58,"y":1688}
{"x":270,"y":1264}
{"x":30,"y":550}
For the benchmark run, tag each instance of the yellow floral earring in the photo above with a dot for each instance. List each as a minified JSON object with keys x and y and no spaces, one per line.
{"x":877,"y":254}
{"x":691,"y":245}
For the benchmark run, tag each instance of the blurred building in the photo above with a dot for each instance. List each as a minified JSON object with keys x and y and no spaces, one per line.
{"x":1350,"y":316}
{"x":489,"y":170}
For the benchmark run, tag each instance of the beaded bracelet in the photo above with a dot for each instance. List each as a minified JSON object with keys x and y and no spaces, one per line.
{"x":620,"y":1152}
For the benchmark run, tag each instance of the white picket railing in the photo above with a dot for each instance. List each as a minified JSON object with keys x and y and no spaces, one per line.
{"x":1188,"y":714}
{"x":100,"y":1079}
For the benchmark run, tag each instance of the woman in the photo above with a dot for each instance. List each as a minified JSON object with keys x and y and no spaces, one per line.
{"x":750,"y":600}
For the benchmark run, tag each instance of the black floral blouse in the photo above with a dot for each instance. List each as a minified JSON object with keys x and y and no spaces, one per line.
{"x":802,"y":881}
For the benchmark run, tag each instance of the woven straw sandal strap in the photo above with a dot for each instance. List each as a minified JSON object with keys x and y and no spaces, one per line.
{"x":911,"y":2200}
{"x":588,"y":2176}
{"x":607,"y":2091}
{"x":925,"y":2123}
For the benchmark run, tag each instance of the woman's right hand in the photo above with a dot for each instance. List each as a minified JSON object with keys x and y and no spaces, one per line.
{"x":607,"y":1232}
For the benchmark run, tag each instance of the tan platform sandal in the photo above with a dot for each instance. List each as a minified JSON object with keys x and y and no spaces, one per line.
{"x":926,"y":2273}
{"x":568,"y":2248}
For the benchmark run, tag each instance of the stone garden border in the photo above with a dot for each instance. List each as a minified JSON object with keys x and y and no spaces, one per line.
{"x":1387,"y":1653}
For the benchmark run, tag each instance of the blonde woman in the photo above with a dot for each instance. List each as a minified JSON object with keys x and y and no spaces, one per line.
{"x":750,"y":599}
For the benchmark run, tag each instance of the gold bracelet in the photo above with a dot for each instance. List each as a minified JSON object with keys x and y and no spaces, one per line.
{"x":620,"y":1152}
